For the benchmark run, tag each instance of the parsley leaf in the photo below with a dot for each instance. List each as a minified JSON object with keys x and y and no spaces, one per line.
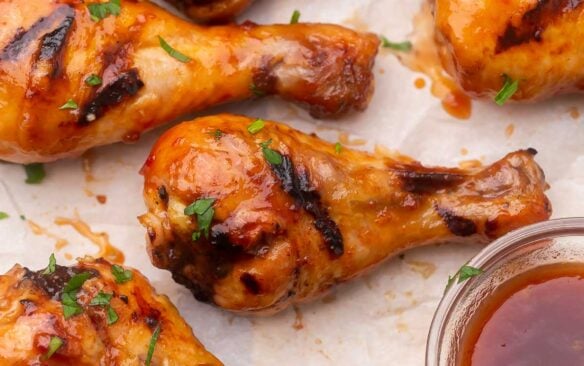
{"x":272,"y":156}
{"x":99,"y":11}
{"x":35,"y":173}
{"x":217,"y":134}
{"x":256,"y":126}
{"x":54,"y":344}
{"x":509,"y":88}
{"x":93,"y":80}
{"x":121,"y":275}
{"x":70,"y":104}
{"x":205,"y":212}
{"x":111,"y":315}
{"x":405,"y":46}
{"x":464,"y":273}
{"x":69,"y":297}
{"x":295,"y":17}
{"x":52,"y":265}
{"x":338,"y":147}
{"x":152,"y":345}
{"x":101,"y":299}
{"x":3,"y":215}
{"x":172,"y":52}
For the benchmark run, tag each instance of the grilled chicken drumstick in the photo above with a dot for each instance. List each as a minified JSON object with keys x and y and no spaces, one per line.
{"x":91,"y":314}
{"x":72,"y":78}
{"x":256,"y":222}
{"x":212,"y":11}
{"x":536,"y":43}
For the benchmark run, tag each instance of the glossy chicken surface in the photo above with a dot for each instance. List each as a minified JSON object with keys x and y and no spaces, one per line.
{"x":32,"y":313}
{"x":285,"y":233}
{"x":49,"y":50}
{"x":212,"y":11}
{"x":538,"y":42}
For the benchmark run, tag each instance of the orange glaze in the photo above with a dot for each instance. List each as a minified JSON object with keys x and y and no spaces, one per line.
{"x":36,"y":229}
{"x":106,"y":249}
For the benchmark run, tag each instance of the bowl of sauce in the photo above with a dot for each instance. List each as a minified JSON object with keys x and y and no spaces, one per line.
{"x":524,"y":308}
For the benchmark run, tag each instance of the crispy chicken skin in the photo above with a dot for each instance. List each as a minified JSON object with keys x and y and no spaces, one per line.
{"x":285,"y":233}
{"x":49,"y":48}
{"x":212,"y":11}
{"x":537,"y":42}
{"x":31,"y":313}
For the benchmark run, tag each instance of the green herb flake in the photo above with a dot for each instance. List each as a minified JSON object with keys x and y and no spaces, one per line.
{"x":405,"y":46}
{"x":112,"y":316}
{"x":101,"y":299}
{"x":54,"y":344}
{"x":464,"y":273}
{"x":69,"y":297}
{"x":99,"y":11}
{"x":217,"y":134}
{"x":172,"y":52}
{"x":76,"y":282}
{"x":3,"y":215}
{"x":35,"y":173}
{"x":273,"y":157}
{"x":23,"y":218}
{"x":295,"y":17}
{"x":52,"y":265}
{"x":205,"y":212}
{"x":70,"y":104}
{"x":256,"y":126}
{"x":121,"y":275}
{"x":93,"y":80}
{"x":152,"y":344}
{"x":338,"y":148}
{"x":509,"y":88}
{"x":255,"y":90}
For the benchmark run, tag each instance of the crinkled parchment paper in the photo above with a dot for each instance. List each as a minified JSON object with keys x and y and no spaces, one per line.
{"x":380,"y":319}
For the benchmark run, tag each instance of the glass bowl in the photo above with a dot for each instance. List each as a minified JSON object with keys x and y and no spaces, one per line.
{"x":549,"y":242}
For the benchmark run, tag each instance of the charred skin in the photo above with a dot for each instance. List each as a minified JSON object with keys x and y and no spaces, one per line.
{"x":31,"y":313}
{"x":284,"y":234}
{"x":49,"y":48}
{"x":212,"y":11}
{"x":537,"y":42}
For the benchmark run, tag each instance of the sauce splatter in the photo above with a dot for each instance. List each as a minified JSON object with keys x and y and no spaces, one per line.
{"x":463,"y":151}
{"x":509,"y":130}
{"x":87,"y":160}
{"x":36,"y":229}
{"x":298,"y":324}
{"x":419,"y":83}
{"x":106,"y":249}
{"x":425,"y":269}
{"x":574,"y":112}
{"x":424,"y":58}
{"x":102,"y":199}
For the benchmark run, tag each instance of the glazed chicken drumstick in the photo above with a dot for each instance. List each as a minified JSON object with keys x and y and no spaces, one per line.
{"x":72,"y":77}
{"x":212,"y":11}
{"x":535,"y":42}
{"x":91,"y":314}
{"x":256,"y":219}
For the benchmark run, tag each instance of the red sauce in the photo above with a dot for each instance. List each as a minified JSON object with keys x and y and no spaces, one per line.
{"x":536,"y":318}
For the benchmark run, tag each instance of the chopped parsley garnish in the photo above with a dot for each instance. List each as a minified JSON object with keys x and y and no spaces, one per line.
{"x":35,"y":173}
{"x":52,"y":265}
{"x":69,"y":297}
{"x":295,"y":17}
{"x":405,"y":46}
{"x":217,"y":134}
{"x":205,"y":212}
{"x":3,"y":215}
{"x":172,"y":52}
{"x":104,"y":299}
{"x":338,"y":147}
{"x":256,"y":126}
{"x":509,"y":88}
{"x":464,"y":273}
{"x":121,"y":275}
{"x":70,"y":104}
{"x":93,"y":80}
{"x":152,"y":344}
{"x":54,"y":344}
{"x":23,"y":218}
{"x":255,"y":90}
{"x":272,"y":156}
{"x":99,"y":11}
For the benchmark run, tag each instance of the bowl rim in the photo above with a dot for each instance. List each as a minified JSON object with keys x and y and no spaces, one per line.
{"x":556,"y":228}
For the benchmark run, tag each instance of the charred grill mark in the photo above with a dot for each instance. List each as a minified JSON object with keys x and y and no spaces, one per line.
{"x":125,"y":85}
{"x":54,"y":283}
{"x":427,"y":182}
{"x":251,"y":283}
{"x":457,"y":225}
{"x":534,"y":22}
{"x":298,"y":187}
{"x":163,"y":194}
{"x":52,"y":41}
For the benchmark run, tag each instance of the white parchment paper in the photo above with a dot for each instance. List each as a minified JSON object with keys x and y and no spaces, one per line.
{"x":380,"y":319}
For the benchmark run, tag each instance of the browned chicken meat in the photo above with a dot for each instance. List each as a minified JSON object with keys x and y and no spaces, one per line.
{"x":74,"y":75}
{"x":255,"y":216}
{"x":212,"y":11}
{"x":91,"y":314}
{"x":534,"y":42}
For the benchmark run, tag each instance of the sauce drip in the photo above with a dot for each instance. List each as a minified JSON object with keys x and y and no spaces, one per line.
{"x":424,"y":58}
{"x":533,"y":319}
{"x":36,"y":229}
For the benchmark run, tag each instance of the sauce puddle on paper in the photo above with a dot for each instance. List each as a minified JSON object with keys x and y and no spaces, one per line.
{"x":36,"y":229}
